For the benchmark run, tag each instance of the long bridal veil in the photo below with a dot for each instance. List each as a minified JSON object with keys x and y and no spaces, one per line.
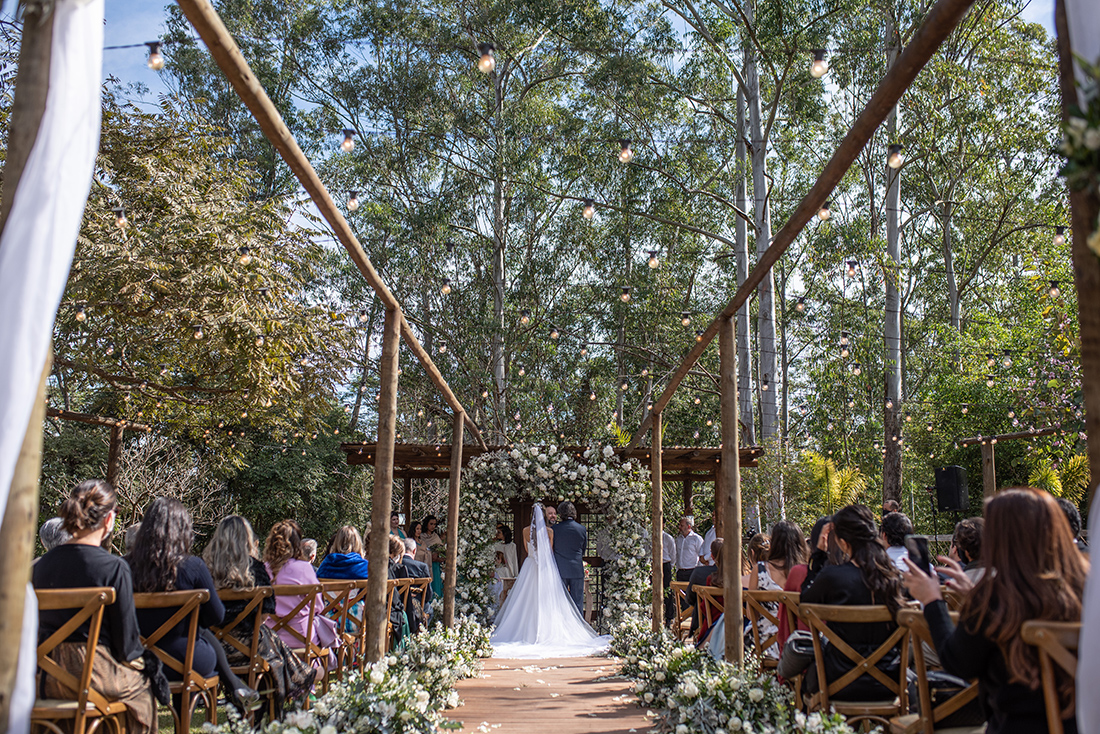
{"x":538,"y":619}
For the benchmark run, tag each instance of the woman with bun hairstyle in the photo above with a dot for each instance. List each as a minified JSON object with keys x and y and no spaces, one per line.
{"x":88,"y":515}
{"x":283,"y":559}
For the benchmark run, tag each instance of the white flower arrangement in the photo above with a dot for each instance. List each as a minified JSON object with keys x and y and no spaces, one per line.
{"x":529,"y":472}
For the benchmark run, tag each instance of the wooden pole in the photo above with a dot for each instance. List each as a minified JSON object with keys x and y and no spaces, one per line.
{"x":689,"y":497}
{"x":656,"y":514}
{"x":407,"y":501}
{"x":227,"y":55}
{"x":381,"y":504}
{"x":450,"y":566}
{"x":1084,"y":207}
{"x":114,"y":451}
{"x":989,"y":470}
{"x":937,"y":26}
{"x":729,"y":482}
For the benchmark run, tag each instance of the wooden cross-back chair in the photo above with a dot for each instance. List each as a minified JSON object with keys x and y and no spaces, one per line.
{"x":256,"y":668}
{"x":354,"y":629}
{"x":301,"y":644}
{"x":417,"y":589}
{"x":711,"y":604}
{"x":1057,"y":643}
{"x":192,"y":687}
{"x":392,"y":590}
{"x":788,"y":608}
{"x":756,"y":609}
{"x":87,"y":704}
{"x":681,"y":622}
{"x":337,"y":596}
{"x":818,"y":617}
{"x":925,"y":721}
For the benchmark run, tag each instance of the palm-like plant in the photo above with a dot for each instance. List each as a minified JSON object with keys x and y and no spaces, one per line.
{"x":836,"y":487}
{"x":1070,"y":481}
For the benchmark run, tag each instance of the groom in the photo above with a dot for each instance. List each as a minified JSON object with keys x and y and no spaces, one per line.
{"x":570,"y":540}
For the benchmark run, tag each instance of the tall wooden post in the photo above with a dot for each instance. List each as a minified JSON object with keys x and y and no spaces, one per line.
{"x":729,"y":480}
{"x":656,"y":514}
{"x":450,"y":566}
{"x":114,"y":453}
{"x":689,"y":496}
{"x":407,"y":502}
{"x":989,"y":470}
{"x":381,"y":504}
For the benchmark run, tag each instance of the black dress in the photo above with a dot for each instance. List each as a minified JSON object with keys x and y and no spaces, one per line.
{"x":1010,"y":708}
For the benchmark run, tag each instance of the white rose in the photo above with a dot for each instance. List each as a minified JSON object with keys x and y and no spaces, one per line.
{"x":689,"y":689}
{"x":682,"y":729}
{"x":1092,"y":138}
{"x":608,"y":452}
{"x":756,"y":695}
{"x":328,"y":729}
{"x":648,"y":697}
{"x":660,"y":675}
{"x":376,"y":676}
{"x":735,"y":723}
{"x":638,"y":686}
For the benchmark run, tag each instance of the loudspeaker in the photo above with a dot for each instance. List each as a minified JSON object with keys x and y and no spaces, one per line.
{"x":951,"y":494}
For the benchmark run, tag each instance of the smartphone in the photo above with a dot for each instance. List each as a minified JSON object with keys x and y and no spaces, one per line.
{"x":917,"y":546}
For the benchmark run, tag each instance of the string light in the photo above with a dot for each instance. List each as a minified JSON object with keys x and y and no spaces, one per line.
{"x":81,"y":314}
{"x":843,"y":351}
{"x":554,"y":333}
{"x":989,"y":380}
{"x":198,"y":332}
{"x":965,"y":409}
{"x":589,"y":210}
{"x":120,"y":217}
{"x":521,"y":373}
{"x":653,"y":262}
{"x":353,"y":201}
{"x":1055,"y":291}
{"x":698,"y":400}
{"x":1012,"y":414}
{"x":801,"y":305}
{"x":525,"y":316}
{"x":820,"y":66}
{"x":446,"y":289}
{"x":929,"y":427}
{"x":486,"y":61}
{"x":592,"y":396}
{"x":685,"y":318}
{"x":349,"y":141}
{"x":843,"y":338}
{"x":856,"y":368}
{"x":625,"y":153}
{"x":851,"y":402}
{"x":363,"y":317}
{"x":1059,"y":236}
{"x":584,"y":349}
{"x":824,"y":212}
{"x":484,"y":393}
{"x":698,"y":336}
{"x":1008,"y":359}
{"x":625,"y":295}
{"x":442,"y":347}
{"x":889,"y":404}
{"x":764,"y":383}
{"x":852,"y":268}
{"x":624,"y":386}
{"x":895,"y":159}
{"x":245,"y":256}
{"x":260,"y":340}
{"x":156,"y":58}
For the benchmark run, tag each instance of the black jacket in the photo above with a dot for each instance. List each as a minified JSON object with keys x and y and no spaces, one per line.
{"x":570,"y":540}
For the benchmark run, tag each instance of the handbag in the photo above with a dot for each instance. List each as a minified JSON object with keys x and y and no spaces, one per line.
{"x":943,"y":686}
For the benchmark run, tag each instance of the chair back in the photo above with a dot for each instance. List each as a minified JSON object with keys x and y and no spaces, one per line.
{"x":711,"y":603}
{"x":919,"y":635}
{"x":254,"y":611}
{"x":87,"y":605}
{"x":1057,"y":643}
{"x":683,"y":609}
{"x":355,"y":629}
{"x":337,"y":597}
{"x":391,"y":592}
{"x":306,"y":595}
{"x":818,"y":617}
{"x":757,"y":610}
{"x":188,"y":603}
{"x":418,"y":589}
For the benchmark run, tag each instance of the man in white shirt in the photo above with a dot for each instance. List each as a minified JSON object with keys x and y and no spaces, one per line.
{"x":668,"y":551}
{"x":708,"y":540}
{"x":689,"y":549}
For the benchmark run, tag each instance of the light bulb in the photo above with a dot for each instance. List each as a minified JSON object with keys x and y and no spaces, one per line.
{"x":764,"y":384}
{"x":120,"y":217}
{"x":856,"y":369}
{"x":442,"y":347}
{"x":591,"y":396}
{"x":589,"y":210}
{"x":908,"y":418}
{"x":828,"y":426}
{"x":876,"y":445}
{"x":446,"y":289}
{"x":1059,"y":236}
{"x":349,"y":141}
{"x":801,"y":305}
{"x":1011,"y":414}
{"x":698,"y":400}
{"x":824,"y":212}
{"x":965,"y":409}
{"x":198,"y":332}
{"x":625,"y":153}
{"x":1007,"y":362}
{"x":929,"y":427}
{"x":710,"y":422}
{"x":260,"y":341}
{"x":698,"y":336}
{"x":156,"y":58}
{"x":895,"y":159}
{"x":695,"y":435}
{"x":522,"y":371}
{"x":989,"y":381}
{"x":353,"y":201}
{"x":844,"y":351}
{"x":889,"y":404}
{"x":486,"y":61}
{"x":525,"y":317}
{"x":653,"y":262}
{"x":80,"y":314}
{"x":584,"y":349}
{"x":843,"y":338}
{"x":624,"y":386}
{"x":245,"y":256}
{"x":484,"y":393}
{"x":110,"y":351}
{"x":851,"y":403}
{"x":820,"y":66}
{"x":685,"y":319}
{"x":362,"y":317}
{"x":989,"y":362}
{"x":554,"y":333}
{"x":852,"y":268}
{"x":1055,"y":291}
{"x":625,"y":295}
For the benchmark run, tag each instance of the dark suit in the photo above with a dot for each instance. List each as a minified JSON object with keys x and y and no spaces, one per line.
{"x":418,"y":570}
{"x":570,"y":540}
{"x":698,"y":578}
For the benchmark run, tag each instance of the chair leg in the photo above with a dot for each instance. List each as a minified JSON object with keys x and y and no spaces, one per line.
{"x":183,"y":724}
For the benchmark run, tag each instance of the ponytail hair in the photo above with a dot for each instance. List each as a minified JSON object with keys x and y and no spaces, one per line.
{"x":87,"y":506}
{"x":855,"y":524}
{"x":284,"y":543}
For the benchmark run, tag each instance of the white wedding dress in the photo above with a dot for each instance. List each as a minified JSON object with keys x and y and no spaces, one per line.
{"x":538,"y":619}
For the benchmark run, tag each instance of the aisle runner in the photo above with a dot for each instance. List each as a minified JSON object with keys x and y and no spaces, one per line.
{"x":555,"y":696}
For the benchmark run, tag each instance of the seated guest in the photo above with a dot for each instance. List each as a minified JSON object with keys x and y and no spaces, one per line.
{"x":890,"y":506}
{"x":966,"y":547}
{"x":52,"y":533}
{"x":309,"y":550}
{"x":698,"y":577}
{"x":895,"y":526}
{"x":285,"y":565}
{"x":756,"y":552}
{"x":88,"y":516}
{"x":416,"y":569}
{"x":232,"y":557}
{"x":161,"y":561}
{"x":1039,"y":574}
{"x":786,"y":551}
{"x":129,"y":536}
{"x":867,"y":577}
{"x":818,"y":547}
{"x":1073,"y":515}
{"x":344,"y":557}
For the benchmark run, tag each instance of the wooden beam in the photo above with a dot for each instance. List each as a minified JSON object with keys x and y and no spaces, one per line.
{"x":97,"y":420}
{"x":1050,"y":430}
{"x":377,"y":612}
{"x":656,"y":514}
{"x":228,"y":56}
{"x":729,"y":487}
{"x":450,"y":565}
{"x":989,"y":470}
{"x":937,"y":25}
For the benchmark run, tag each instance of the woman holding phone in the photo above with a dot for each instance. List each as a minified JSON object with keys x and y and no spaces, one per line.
{"x":1036,"y":572}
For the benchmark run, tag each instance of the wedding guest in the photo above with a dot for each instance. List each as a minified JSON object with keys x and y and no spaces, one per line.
{"x":395,"y":526}
{"x":756,"y":552}
{"x":890,"y":506}
{"x":689,"y":549}
{"x":698,"y":577}
{"x":1073,"y":516}
{"x":966,"y":547}
{"x":344,"y":557}
{"x":232,"y":555}
{"x":895,"y":526}
{"x":52,"y":533}
{"x":129,"y":536}
{"x":309,"y":550}
{"x":160,"y":561}
{"x":423,"y":554}
{"x":88,"y":516}
{"x":416,"y":569}
{"x":433,"y":544}
{"x":506,"y":546}
{"x":668,"y":553}
{"x":708,"y":538}
{"x":796,"y":578}
{"x":283,"y":560}
{"x":1040,"y":574}
{"x":786,"y":551}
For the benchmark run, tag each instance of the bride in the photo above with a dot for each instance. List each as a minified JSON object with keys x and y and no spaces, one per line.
{"x":538,"y":619}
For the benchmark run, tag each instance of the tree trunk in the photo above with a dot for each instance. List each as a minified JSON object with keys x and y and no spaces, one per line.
{"x":949,"y":267}
{"x":499,"y":243}
{"x":744,"y":331}
{"x":892,"y":424}
{"x":372,"y":316}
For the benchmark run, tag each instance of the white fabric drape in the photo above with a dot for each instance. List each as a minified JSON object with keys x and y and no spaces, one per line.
{"x":1083,"y":19}
{"x":36,"y":250}
{"x":1088,"y":660}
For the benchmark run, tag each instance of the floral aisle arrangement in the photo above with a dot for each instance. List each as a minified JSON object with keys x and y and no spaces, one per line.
{"x":396,"y":695}
{"x":597,"y":478}
{"x":1081,"y":143}
{"x":691,"y":693}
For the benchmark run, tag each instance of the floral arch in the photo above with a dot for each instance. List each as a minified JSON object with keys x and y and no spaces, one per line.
{"x":617,"y":489}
